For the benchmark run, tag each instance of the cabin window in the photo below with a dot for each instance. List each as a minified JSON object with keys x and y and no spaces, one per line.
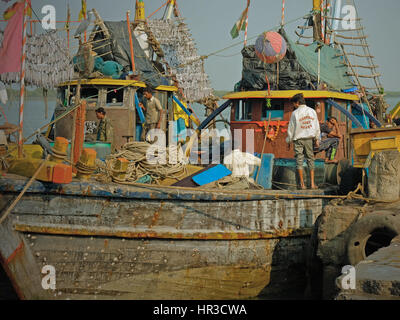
{"x":91,"y":95}
{"x":70,"y":96}
{"x":139,"y":94}
{"x":275,"y":110}
{"x":341,"y":114}
{"x":331,"y":111}
{"x":310,"y":103}
{"x":328,"y":111}
{"x":162,"y":96}
{"x":115,"y":97}
{"x":61,"y":96}
{"x":243,"y":110}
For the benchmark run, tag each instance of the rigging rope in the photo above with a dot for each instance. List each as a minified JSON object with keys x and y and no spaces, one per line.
{"x":203,"y":57}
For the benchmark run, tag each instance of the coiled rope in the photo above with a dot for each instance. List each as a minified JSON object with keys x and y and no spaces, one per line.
{"x":136,"y":153}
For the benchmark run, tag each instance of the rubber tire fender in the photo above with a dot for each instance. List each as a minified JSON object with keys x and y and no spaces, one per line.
{"x":359,"y":233}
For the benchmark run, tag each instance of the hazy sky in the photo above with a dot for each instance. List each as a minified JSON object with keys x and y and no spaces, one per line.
{"x":210,"y":22}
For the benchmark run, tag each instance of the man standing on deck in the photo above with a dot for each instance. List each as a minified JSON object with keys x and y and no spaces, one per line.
{"x":153,"y":113}
{"x":302,"y":131}
{"x":104,"y":129}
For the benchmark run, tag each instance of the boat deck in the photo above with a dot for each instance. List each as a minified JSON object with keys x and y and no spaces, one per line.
{"x":14,"y":183}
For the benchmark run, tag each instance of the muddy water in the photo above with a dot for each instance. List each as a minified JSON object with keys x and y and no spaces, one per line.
{"x":6,"y":290}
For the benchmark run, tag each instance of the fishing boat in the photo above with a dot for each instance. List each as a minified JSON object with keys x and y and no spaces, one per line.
{"x":72,"y":237}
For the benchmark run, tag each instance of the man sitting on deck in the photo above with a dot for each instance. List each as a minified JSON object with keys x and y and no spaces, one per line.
{"x":330,"y":138}
{"x":302,"y":131}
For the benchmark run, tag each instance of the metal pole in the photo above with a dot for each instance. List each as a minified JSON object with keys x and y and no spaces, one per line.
{"x":130,"y":40}
{"x":22,"y":82}
{"x":319,"y":64}
{"x":245,"y":31}
{"x":247,"y":22}
{"x":84,"y":16}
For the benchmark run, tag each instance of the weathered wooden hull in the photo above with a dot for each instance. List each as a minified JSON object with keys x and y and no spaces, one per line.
{"x":109,"y":241}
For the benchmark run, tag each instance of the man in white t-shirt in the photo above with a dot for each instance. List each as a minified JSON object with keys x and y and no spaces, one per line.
{"x":302,"y":131}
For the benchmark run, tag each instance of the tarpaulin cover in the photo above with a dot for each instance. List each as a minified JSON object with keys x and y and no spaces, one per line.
{"x":120,"y":52}
{"x":297,"y":70}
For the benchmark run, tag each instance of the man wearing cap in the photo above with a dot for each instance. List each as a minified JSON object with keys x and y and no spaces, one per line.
{"x":153,"y":115}
{"x":104,"y":128}
{"x":303,"y":130}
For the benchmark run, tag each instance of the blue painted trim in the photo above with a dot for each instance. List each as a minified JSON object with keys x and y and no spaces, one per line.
{"x":139,"y":109}
{"x":346,"y":113}
{"x":214,"y":114}
{"x":370,"y":116}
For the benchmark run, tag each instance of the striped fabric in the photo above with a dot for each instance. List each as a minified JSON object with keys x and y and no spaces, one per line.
{"x":240,"y":25}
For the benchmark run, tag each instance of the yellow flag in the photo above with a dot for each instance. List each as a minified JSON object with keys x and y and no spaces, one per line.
{"x":179,"y":113}
{"x":82,"y":13}
{"x":9,"y":12}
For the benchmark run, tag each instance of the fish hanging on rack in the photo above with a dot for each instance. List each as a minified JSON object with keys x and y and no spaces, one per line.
{"x":48,"y":62}
{"x":181,"y":55}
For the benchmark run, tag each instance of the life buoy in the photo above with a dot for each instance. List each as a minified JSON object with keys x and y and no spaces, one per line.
{"x":374,"y":230}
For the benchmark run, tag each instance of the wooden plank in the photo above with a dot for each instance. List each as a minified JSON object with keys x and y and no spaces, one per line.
{"x":171,"y":218}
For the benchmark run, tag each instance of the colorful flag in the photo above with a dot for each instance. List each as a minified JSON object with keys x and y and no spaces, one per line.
{"x":240,"y":25}
{"x":68,"y":18}
{"x":10,"y":11}
{"x":11,"y":48}
{"x":82,"y":13}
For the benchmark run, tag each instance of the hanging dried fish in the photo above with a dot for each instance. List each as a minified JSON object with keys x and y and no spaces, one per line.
{"x":179,"y":49}
{"x":48,"y":62}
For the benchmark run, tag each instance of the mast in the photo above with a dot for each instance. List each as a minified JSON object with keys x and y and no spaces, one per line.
{"x":130,"y":40}
{"x":317,"y":26}
{"x":22,"y":81}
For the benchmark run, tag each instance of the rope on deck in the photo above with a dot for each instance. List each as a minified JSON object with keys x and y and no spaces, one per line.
{"x":139,"y":166}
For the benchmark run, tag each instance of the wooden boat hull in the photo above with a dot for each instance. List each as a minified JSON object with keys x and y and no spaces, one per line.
{"x":108,"y":241}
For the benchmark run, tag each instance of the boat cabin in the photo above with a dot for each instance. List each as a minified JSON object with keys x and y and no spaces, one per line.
{"x":253,"y":109}
{"x":117,"y":97}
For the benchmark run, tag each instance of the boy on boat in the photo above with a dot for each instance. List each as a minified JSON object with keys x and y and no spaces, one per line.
{"x":302,"y":131}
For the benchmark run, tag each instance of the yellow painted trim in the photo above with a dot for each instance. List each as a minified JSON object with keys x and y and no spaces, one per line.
{"x":167,"y":88}
{"x":287,"y":94}
{"x":115,"y":82}
{"x":395,"y":111}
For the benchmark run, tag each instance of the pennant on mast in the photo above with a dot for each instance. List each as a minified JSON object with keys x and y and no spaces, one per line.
{"x":240,"y":25}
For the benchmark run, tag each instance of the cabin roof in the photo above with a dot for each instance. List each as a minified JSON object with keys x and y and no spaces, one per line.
{"x":116,"y":82}
{"x":287,"y":94}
